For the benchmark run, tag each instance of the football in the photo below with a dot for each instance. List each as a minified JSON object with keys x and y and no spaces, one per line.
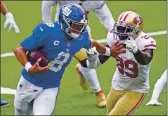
{"x":34,"y":55}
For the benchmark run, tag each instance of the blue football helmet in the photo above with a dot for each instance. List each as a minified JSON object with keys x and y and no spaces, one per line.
{"x":73,"y":19}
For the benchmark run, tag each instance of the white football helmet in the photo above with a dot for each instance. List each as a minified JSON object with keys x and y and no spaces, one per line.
{"x":129,"y":24}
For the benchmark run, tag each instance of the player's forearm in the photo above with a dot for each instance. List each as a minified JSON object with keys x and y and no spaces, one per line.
{"x":4,"y":9}
{"x":20,"y":54}
{"x":100,"y":48}
{"x":142,"y":58}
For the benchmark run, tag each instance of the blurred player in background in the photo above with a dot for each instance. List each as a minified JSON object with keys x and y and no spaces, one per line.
{"x":38,"y":86}
{"x":105,"y":17}
{"x":160,"y":84}
{"x":12,"y":24}
{"x":130,"y":81}
{"x":9,"y":18}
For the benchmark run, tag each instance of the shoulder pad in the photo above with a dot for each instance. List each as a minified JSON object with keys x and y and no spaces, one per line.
{"x":146,"y":42}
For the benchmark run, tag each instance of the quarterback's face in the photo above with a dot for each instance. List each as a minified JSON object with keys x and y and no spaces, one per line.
{"x":77,"y":28}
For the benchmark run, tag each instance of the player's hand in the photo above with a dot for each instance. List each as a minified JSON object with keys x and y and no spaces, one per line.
{"x":92,"y":54}
{"x":92,"y":57}
{"x":37,"y":69}
{"x":11,"y":21}
{"x":116,"y":49}
{"x":131,"y":45}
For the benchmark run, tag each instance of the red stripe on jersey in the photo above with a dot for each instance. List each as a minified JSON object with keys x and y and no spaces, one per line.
{"x":150,"y":45}
{"x":135,"y":107}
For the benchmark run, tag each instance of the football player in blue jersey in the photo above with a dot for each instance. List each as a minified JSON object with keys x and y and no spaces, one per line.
{"x":38,"y":86}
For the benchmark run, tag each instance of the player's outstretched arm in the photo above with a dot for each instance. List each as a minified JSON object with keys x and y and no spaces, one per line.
{"x":4,"y":9}
{"x":113,"y":51}
{"x":9,"y":18}
{"x":100,"y":48}
{"x":20,"y":54}
{"x":95,"y":59}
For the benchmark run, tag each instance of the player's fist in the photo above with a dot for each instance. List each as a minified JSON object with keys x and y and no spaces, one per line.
{"x":116,"y":49}
{"x":11,"y":21}
{"x":36,"y":67}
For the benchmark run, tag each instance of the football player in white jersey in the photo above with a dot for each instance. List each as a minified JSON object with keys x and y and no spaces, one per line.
{"x":160,"y":84}
{"x":105,"y":17}
{"x":130,"y":80}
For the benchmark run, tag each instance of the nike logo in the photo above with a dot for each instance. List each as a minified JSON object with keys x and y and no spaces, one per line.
{"x":41,"y":29}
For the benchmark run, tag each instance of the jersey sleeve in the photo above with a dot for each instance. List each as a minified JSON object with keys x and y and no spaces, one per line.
{"x":105,"y":17}
{"x":147,"y":42}
{"x":34,"y":41}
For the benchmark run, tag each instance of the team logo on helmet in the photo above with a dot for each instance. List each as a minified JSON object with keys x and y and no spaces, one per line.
{"x":137,"y":20}
{"x":66,"y":11}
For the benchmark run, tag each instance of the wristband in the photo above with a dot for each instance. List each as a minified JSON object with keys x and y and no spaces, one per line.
{"x":108,"y":53}
{"x":28,"y":66}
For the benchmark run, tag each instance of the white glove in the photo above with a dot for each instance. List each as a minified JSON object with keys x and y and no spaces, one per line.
{"x":11,"y":21}
{"x":131,"y":45}
{"x":93,"y":57}
{"x":153,"y":102}
{"x":92,"y":54}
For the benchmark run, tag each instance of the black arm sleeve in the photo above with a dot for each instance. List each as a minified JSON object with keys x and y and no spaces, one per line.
{"x":144,"y":58}
{"x":83,"y":63}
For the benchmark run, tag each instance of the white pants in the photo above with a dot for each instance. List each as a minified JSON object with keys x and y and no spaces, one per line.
{"x":34,"y":100}
{"x":160,"y":84}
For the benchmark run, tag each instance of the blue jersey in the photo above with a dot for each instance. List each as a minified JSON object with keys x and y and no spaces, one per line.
{"x":59,"y":50}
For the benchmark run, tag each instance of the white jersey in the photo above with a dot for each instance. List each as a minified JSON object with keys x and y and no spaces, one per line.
{"x":98,"y":7}
{"x":129,"y":74}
